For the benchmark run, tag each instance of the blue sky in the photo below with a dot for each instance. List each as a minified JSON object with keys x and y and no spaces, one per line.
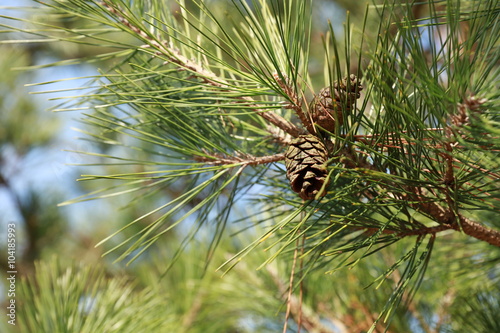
{"x":48,"y":168}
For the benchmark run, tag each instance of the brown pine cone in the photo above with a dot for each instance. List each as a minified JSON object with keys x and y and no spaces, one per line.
{"x":305,"y":161}
{"x":326,"y":108}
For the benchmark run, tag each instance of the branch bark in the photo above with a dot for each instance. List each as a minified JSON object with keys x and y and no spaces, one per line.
{"x":219,"y":159}
{"x":478,"y":231}
{"x":456,"y":221}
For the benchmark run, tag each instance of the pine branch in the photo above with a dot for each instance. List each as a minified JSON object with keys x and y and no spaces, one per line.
{"x":465,"y":225}
{"x":204,"y":74}
{"x":295,"y":102}
{"x":446,"y":217}
{"x":243,"y":159}
{"x":477,"y":231}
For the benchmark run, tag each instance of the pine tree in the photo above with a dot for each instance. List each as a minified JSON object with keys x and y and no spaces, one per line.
{"x":392,"y":157}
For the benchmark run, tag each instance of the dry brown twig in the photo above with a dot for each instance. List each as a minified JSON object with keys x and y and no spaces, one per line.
{"x":242,"y":159}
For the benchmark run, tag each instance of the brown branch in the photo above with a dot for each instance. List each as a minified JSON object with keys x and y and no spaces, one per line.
{"x":193,"y":312}
{"x":245,"y":159}
{"x":468,"y":227}
{"x":446,"y":217}
{"x":209,"y":77}
{"x":278,"y":121}
{"x":424,"y":231}
{"x":451,"y":220}
{"x":478,"y":231}
{"x":295,"y":102}
{"x":279,"y":135}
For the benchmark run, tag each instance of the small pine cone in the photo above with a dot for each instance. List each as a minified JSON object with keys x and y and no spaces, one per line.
{"x":350,"y":91}
{"x":305,"y":161}
{"x":325,"y":108}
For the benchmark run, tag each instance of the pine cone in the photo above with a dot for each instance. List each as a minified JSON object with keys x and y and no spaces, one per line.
{"x":305,"y":161}
{"x":325,"y":108}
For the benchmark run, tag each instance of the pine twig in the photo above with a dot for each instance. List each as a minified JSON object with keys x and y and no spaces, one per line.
{"x":245,"y":159}
{"x":295,"y":102}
